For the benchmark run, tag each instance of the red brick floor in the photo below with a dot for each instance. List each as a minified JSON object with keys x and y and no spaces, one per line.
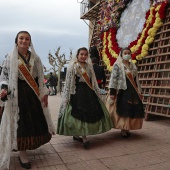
{"x":146,"y":149}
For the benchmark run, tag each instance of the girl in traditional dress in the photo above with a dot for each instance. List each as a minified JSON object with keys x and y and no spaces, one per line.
{"x":26,"y":121}
{"x":82,"y":112}
{"x":125,"y":100}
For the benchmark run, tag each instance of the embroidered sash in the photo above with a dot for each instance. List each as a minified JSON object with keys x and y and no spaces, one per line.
{"x":27,"y":76}
{"x":84,"y":74}
{"x":130,"y":77}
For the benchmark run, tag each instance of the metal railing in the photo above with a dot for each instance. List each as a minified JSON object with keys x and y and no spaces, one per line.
{"x":85,"y":5}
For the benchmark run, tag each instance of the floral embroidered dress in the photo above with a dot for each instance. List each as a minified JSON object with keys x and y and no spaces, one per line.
{"x":82,"y":112}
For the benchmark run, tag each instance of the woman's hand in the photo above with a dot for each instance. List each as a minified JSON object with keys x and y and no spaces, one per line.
{"x":113,"y":97}
{"x":45,"y":100}
{"x":3,"y":93}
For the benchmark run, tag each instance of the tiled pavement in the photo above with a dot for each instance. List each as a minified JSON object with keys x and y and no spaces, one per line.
{"x":146,"y":149}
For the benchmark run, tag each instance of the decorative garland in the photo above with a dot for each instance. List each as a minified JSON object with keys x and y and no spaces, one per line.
{"x":111,"y":12}
{"x":140,"y":46}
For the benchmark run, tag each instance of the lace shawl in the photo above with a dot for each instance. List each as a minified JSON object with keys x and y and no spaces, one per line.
{"x":9,"y":125}
{"x":118,"y":78}
{"x":70,"y":87}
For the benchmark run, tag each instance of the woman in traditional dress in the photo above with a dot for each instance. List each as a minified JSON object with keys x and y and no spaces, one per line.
{"x":26,"y":122}
{"x":125,"y":100}
{"x":82,"y":112}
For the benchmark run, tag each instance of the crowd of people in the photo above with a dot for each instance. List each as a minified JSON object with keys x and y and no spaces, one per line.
{"x":26,"y":121}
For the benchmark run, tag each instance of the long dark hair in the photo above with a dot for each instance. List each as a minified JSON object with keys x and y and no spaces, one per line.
{"x":26,"y":32}
{"x":82,"y":48}
{"x":123,"y":49}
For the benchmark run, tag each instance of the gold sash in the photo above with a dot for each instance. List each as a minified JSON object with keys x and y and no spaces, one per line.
{"x":27,"y":76}
{"x":84,"y":74}
{"x":130,"y":77}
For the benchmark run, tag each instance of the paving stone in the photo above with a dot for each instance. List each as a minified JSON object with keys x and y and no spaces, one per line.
{"x":96,"y":164}
{"x":146,"y":149}
{"x":61,"y":167}
{"x":159,"y":166}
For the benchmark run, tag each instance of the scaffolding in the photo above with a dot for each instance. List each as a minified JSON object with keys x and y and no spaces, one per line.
{"x":154,"y":73}
{"x":154,"y":69}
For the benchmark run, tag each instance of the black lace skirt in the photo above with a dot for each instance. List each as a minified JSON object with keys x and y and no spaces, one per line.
{"x":129,"y":103}
{"x":85,"y":104}
{"x":32,"y":126}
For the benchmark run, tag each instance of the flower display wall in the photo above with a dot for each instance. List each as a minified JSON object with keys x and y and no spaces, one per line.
{"x":139,"y":47}
{"x":110,"y":13}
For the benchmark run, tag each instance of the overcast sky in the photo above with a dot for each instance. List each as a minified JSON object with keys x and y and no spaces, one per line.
{"x":51,"y":23}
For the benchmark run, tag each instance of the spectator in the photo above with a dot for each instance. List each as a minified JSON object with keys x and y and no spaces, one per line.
{"x":61,"y":86}
{"x":52,"y":83}
{"x":99,"y":72}
{"x":91,"y":3}
{"x":94,"y":52}
{"x":45,"y":80}
{"x":55,"y":84}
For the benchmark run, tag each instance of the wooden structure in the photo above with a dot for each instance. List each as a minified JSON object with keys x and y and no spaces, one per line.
{"x":154,"y":69}
{"x":154,"y":72}
{"x":91,"y":13}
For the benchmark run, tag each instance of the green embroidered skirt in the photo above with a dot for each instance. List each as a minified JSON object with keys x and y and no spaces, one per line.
{"x":70,"y":126}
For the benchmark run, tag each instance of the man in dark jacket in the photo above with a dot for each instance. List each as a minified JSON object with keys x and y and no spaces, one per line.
{"x":94,"y":52}
{"x":52,"y":83}
{"x":99,"y":72}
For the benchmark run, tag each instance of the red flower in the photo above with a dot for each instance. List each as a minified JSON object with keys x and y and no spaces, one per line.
{"x":147,"y":14}
{"x":162,"y":10}
{"x":153,"y":21}
{"x":133,"y":56}
{"x":154,"y":12}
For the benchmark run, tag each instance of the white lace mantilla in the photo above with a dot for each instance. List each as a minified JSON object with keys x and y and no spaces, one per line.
{"x":132,"y":22}
{"x":118,"y":77}
{"x":70,"y":87}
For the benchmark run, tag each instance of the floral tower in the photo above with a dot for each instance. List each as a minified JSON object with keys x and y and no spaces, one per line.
{"x":144,"y":27}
